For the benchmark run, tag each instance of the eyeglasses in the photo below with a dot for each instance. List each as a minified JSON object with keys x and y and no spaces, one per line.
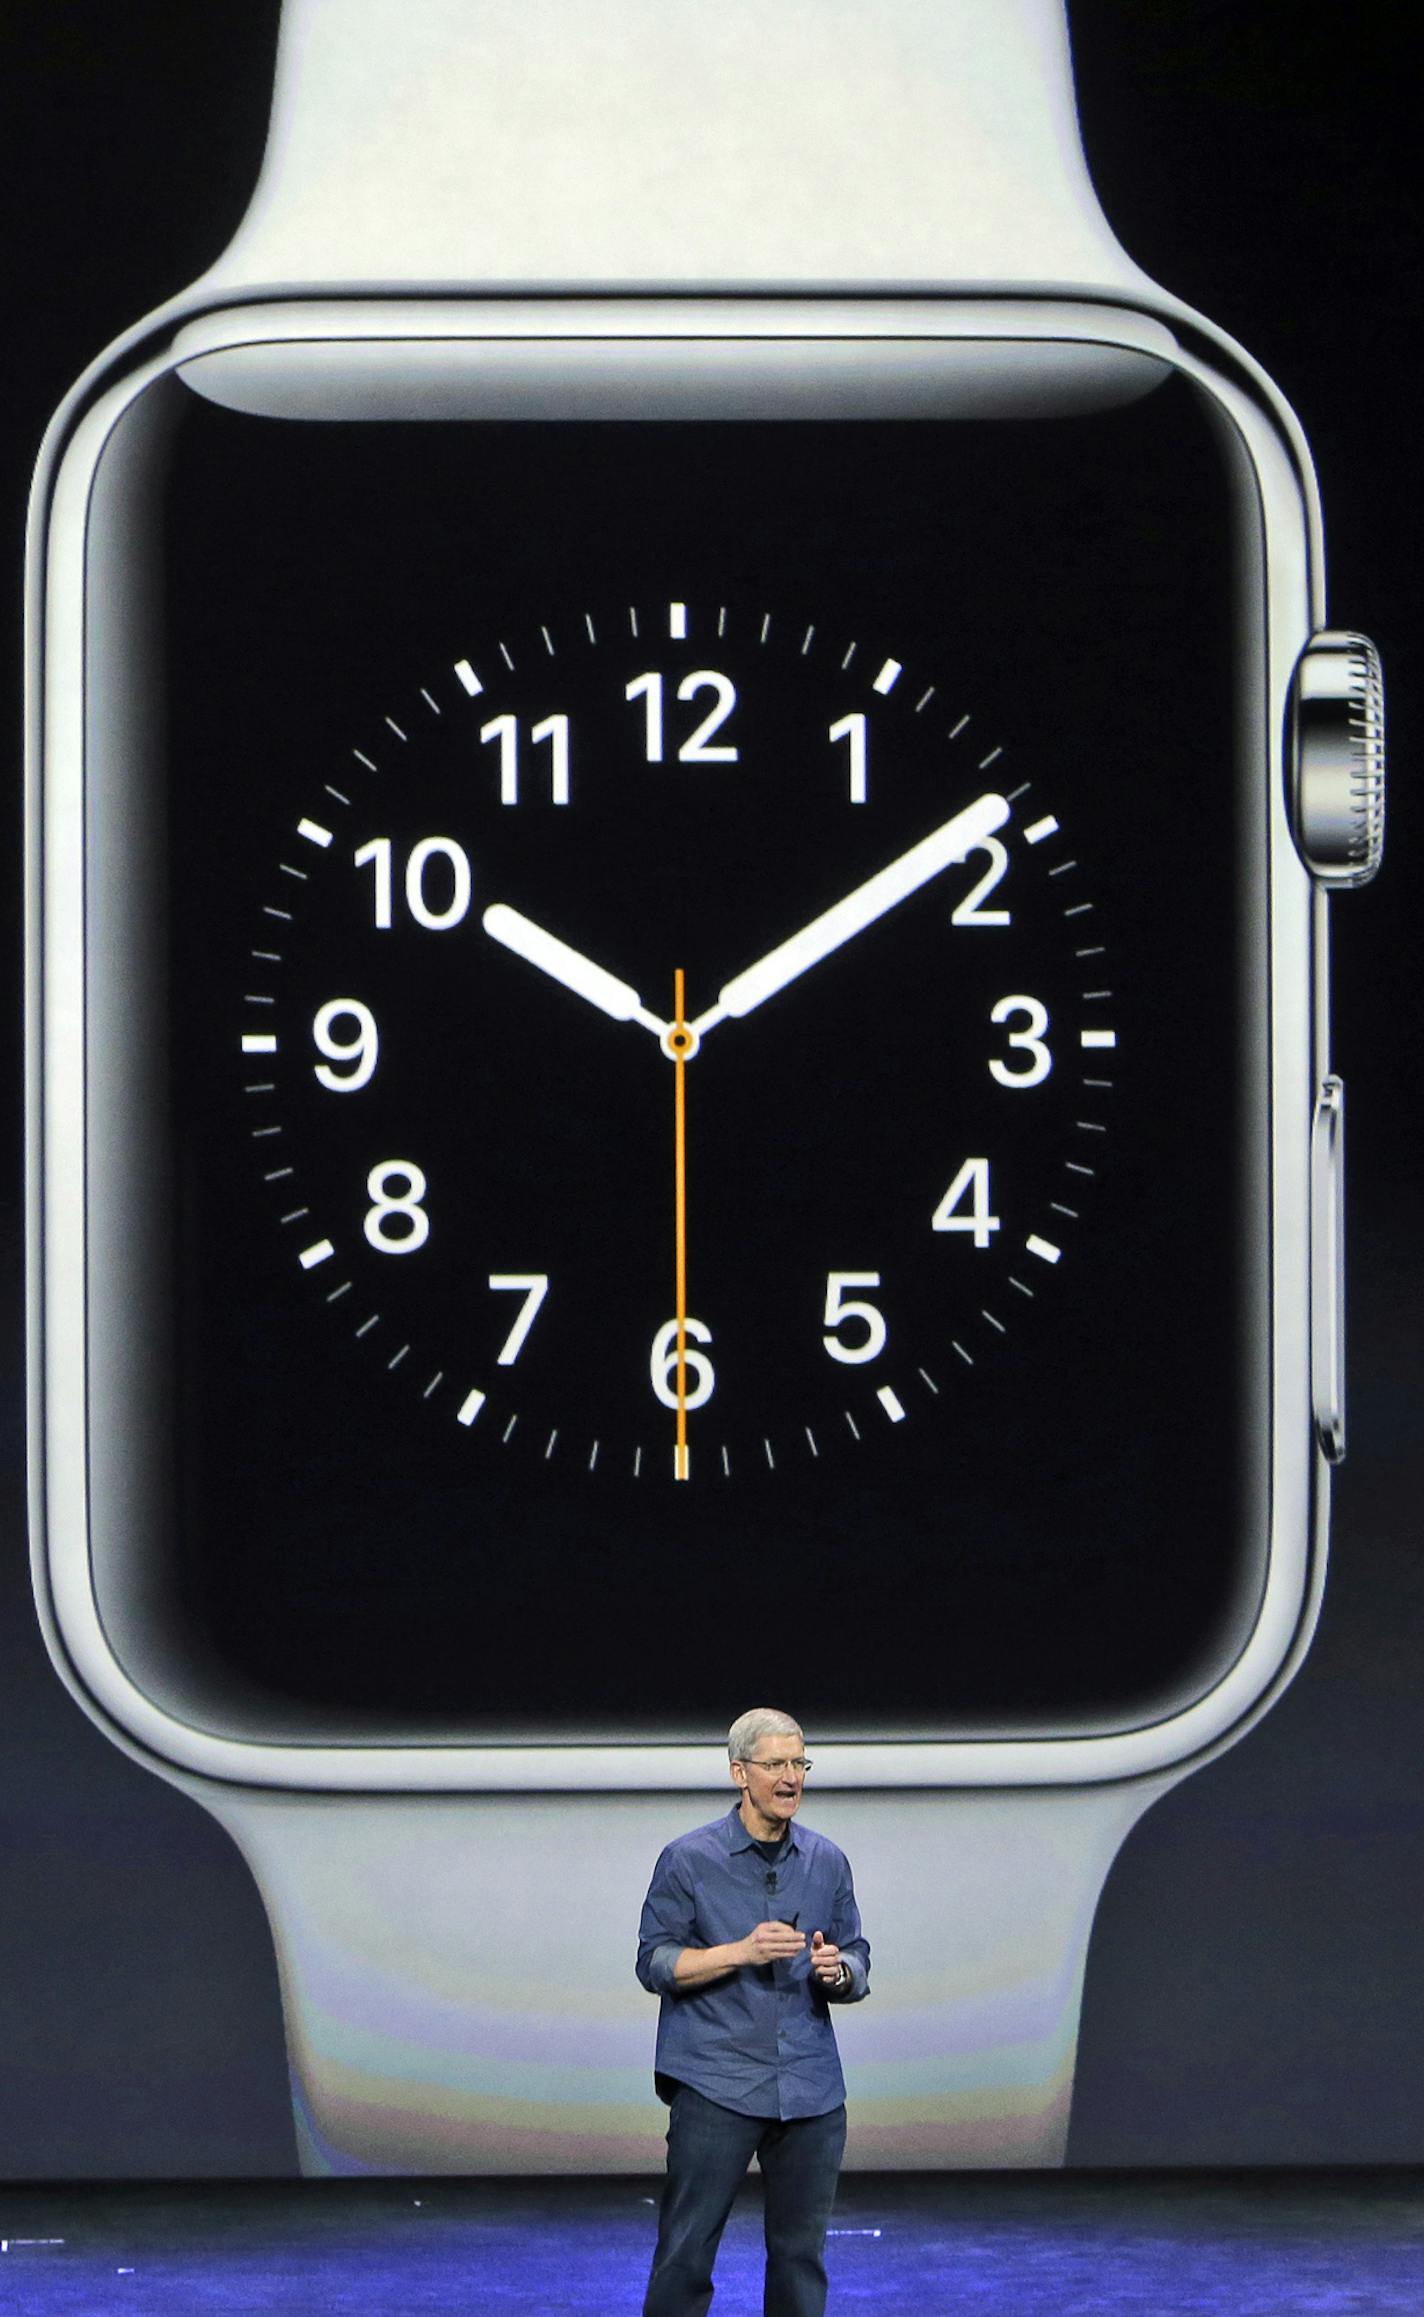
{"x":776,"y":1763}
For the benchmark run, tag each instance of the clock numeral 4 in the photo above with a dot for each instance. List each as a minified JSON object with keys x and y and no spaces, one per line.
{"x":699,"y":747}
{"x":969,"y":1191}
{"x":700,"y":1379}
{"x":437,"y":915}
{"x":1029,"y":1041}
{"x":841,"y":1307}
{"x":359,"y":1053}
{"x":396,"y":1222}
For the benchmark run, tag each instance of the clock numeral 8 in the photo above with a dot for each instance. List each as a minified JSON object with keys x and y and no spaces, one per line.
{"x":396,"y":1222}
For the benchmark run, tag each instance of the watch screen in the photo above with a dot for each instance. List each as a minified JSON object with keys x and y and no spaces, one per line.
{"x":672,"y":1003}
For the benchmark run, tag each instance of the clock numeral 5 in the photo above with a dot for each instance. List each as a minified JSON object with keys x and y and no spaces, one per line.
{"x":663,"y":1365}
{"x":971,"y":1184}
{"x":698,"y":748}
{"x":436,"y":917}
{"x":1029,"y":1040}
{"x":841,"y":1307}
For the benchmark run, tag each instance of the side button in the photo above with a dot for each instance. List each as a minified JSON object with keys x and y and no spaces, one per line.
{"x":1327,"y":1268}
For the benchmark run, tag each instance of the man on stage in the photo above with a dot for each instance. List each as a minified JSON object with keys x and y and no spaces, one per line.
{"x":749,"y":1933}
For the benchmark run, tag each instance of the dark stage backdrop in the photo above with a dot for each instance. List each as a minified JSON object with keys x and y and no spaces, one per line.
{"x":1254,"y":1987}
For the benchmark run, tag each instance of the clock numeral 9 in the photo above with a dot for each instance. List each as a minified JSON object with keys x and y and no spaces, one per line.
{"x":698,"y":748}
{"x":841,"y":1307}
{"x":396,"y":1222}
{"x":663,"y":1365}
{"x":1029,"y":1040}
{"x":359,"y":1053}
{"x":971,"y":1184}
{"x":435,"y":916}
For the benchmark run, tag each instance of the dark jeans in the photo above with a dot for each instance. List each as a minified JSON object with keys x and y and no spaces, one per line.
{"x":709,"y":2149}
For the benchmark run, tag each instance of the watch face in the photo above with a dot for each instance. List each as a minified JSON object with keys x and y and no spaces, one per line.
{"x":696,"y":1105}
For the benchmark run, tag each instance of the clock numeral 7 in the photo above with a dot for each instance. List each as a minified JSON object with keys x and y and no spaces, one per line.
{"x":841,"y":1307}
{"x":533,"y":1286}
{"x":699,"y":747}
{"x":436,"y":916}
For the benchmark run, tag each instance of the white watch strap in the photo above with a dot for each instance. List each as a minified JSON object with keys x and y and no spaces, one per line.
{"x":458,"y":1972}
{"x":668,"y":143}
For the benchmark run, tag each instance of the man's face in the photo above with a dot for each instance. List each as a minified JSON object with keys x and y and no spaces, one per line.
{"x":773,"y":1779}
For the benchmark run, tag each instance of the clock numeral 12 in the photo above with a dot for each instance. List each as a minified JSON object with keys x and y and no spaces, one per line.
{"x":699,"y":747}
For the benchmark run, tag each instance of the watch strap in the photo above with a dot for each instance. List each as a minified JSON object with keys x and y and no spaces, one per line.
{"x":458,"y":1975}
{"x":482,"y":144}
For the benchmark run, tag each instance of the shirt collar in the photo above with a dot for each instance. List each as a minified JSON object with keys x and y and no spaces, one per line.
{"x":737,"y":1837}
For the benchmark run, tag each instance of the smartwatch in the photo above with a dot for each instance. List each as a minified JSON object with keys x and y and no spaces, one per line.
{"x":684,"y":768}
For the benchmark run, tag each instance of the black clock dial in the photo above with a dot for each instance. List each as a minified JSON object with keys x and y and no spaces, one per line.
{"x":779,"y":1230}
{"x":482,"y":741}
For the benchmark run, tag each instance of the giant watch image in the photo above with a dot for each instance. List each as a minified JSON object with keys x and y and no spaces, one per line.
{"x":675,"y":964}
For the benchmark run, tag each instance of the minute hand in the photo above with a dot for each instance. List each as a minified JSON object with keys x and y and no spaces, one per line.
{"x":844,"y":919}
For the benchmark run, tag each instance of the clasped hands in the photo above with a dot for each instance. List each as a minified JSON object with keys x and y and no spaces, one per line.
{"x":778,"y":1942}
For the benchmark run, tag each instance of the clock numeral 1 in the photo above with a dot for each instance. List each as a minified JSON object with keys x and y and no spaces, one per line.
{"x":663,"y":1365}
{"x":971,"y":1184}
{"x":841,"y":1307}
{"x":852,"y":728}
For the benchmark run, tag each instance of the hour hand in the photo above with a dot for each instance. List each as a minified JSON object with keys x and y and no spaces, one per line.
{"x":885,"y":890}
{"x":578,"y":973}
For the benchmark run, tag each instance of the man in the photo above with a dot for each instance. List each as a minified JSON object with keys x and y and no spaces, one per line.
{"x":749,"y":1933}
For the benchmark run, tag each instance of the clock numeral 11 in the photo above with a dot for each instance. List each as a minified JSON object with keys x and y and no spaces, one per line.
{"x":505,"y":730}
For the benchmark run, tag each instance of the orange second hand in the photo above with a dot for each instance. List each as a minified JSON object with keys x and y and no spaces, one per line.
{"x":680,"y":1466}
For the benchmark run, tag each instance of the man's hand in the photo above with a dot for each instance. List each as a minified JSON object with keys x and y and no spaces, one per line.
{"x":772,"y":1943}
{"x":826,"y":1961}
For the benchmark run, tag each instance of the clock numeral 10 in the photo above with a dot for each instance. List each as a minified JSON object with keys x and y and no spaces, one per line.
{"x":436,"y":916}
{"x":699,"y":747}
{"x":969,"y":1191}
{"x":700,"y":1379}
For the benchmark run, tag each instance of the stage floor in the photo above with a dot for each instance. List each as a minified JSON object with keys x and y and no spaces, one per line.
{"x":1278,"y":2244}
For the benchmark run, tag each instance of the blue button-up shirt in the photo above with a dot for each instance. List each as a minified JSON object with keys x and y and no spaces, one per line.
{"x":760,"y":2040}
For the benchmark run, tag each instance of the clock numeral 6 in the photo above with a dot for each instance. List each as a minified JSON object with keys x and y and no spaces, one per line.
{"x":1029,"y":1040}
{"x":437,"y":915}
{"x":970,"y":1185}
{"x":841,"y":1307}
{"x":396,"y":1222}
{"x":663,"y":1365}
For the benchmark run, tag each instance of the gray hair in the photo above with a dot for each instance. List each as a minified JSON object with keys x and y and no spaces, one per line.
{"x":759,"y":1722}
